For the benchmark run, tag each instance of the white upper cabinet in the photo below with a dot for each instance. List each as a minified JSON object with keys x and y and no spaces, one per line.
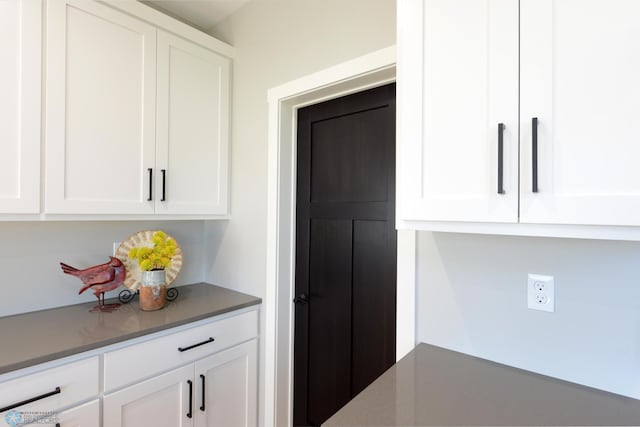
{"x":458,"y":83}
{"x":136,"y":117}
{"x":580,"y":68}
{"x":192,"y":128}
{"x":100,"y":110}
{"x":570,"y":141}
{"x":20,"y":76}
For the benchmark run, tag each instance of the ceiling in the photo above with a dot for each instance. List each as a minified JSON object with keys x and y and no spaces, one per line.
{"x":202,"y":14}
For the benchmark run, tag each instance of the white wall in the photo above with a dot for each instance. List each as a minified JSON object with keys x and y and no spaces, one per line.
{"x":30,"y":253}
{"x":277,"y":41}
{"x":472,"y":298}
{"x":471,"y":288}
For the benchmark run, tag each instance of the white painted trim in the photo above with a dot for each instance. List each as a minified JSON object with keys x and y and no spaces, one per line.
{"x":406,"y":293}
{"x":114,"y":217}
{"x":352,"y":76}
{"x":567,"y":231}
{"x":330,"y":77}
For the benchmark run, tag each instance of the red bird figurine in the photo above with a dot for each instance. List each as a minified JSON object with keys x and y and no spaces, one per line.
{"x":100,"y":278}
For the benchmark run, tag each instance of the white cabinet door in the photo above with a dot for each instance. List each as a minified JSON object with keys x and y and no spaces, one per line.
{"x":457,"y":81}
{"x":100,"y":110}
{"x":20,"y":76}
{"x":162,"y":401}
{"x":228,"y":387}
{"x":579,"y":77}
{"x":87,"y":415}
{"x":192,"y":128}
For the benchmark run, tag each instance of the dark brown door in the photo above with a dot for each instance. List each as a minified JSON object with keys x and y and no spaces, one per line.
{"x":345,"y":311}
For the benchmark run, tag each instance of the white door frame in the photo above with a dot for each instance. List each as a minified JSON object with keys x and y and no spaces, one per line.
{"x":374,"y":69}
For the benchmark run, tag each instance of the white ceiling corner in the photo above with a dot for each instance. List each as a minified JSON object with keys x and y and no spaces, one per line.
{"x":202,"y":14}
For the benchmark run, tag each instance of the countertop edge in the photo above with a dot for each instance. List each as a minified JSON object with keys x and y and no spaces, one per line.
{"x":76,"y":350}
{"x":430,"y":384}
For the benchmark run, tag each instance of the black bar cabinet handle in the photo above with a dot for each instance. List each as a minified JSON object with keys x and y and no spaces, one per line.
{"x":33,"y":399}
{"x":500,"y":157}
{"x":150,"y":198}
{"x":534,"y":154}
{"x":190,"y":413}
{"x":196,"y":345}
{"x":164,"y":173}
{"x":203,"y":393}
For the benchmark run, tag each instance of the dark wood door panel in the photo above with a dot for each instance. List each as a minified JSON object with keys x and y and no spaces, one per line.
{"x":347,"y":155}
{"x":373,"y":310}
{"x":329,"y":317}
{"x":345,"y":250}
{"x":345,"y":210}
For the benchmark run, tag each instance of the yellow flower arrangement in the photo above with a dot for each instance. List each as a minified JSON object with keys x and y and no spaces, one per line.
{"x":159,"y":256}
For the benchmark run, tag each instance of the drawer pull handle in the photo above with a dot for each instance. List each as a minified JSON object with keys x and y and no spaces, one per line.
{"x":196,"y":345}
{"x":33,"y":399}
{"x":203,"y":394}
{"x":164,"y":180}
{"x":500,"y":157}
{"x":190,"y":413}
{"x":150,"y":198}
{"x":534,"y":154}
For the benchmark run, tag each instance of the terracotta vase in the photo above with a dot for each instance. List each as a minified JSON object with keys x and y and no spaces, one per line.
{"x":153,"y":290}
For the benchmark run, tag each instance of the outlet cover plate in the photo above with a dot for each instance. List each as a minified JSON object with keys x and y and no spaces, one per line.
{"x":541,"y":293}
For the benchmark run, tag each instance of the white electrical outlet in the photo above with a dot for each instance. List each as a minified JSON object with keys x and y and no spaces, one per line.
{"x":116,"y":245}
{"x":541,"y":293}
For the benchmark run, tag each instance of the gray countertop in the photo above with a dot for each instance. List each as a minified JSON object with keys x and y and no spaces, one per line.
{"x":434,"y":386}
{"x":41,"y":336}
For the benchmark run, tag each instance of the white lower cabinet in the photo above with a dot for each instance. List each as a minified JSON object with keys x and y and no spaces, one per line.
{"x":87,"y":415}
{"x":49,"y":390}
{"x":227,"y":387}
{"x":202,"y":374}
{"x":160,"y":401}
{"x":222,"y":392}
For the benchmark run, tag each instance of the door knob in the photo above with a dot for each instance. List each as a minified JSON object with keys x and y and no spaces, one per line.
{"x":301,"y":299}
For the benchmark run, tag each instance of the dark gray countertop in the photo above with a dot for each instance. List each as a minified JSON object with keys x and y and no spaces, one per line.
{"x":41,"y":336}
{"x":434,"y":386}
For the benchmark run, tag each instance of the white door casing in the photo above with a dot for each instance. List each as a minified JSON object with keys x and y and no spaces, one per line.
{"x":374,"y":69}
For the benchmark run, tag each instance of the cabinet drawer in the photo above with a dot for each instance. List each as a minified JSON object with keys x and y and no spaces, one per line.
{"x":77,"y":381}
{"x":139,"y":361}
